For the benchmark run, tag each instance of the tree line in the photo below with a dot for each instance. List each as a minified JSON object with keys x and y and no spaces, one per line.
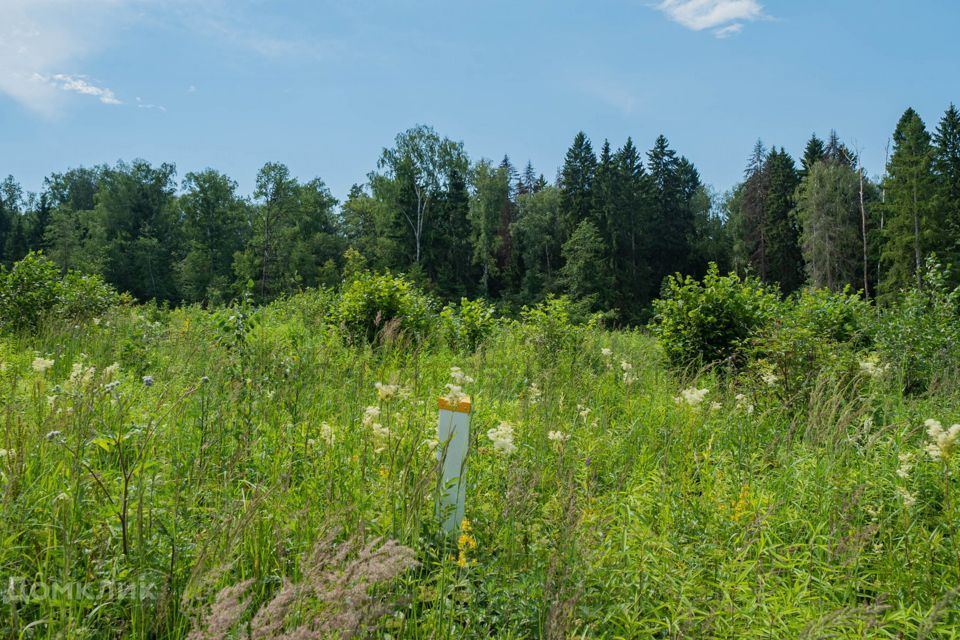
{"x":607,"y":231}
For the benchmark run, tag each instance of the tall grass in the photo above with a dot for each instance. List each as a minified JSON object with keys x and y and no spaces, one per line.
{"x":235,"y":441}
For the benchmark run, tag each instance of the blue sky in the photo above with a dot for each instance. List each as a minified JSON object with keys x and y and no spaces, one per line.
{"x":324,"y":85}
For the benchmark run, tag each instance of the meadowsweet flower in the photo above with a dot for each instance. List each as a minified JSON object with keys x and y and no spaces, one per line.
{"x":908,"y":498}
{"x":943,"y":439}
{"x":386,"y":392}
{"x":870,"y":366}
{"x":715,"y":406}
{"x":502,"y":438}
{"x":370,"y":415}
{"x":327,"y":434}
{"x":109,"y":373}
{"x":769,"y":378}
{"x":81,"y":376}
{"x":558,"y":436}
{"x":606,"y":352}
{"x":743,"y":404}
{"x":455,"y":394}
{"x":625,"y":366}
{"x":906,"y":464}
{"x":629,"y":378}
{"x":534,"y":393}
{"x":458,"y":376}
{"x":4,"y":453}
{"x":692,"y":396}
{"x":379,"y":431}
{"x":583,"y":410}
{"x":40,"y":365}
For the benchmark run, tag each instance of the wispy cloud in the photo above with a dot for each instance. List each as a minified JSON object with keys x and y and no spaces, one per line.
{"x":42,"y":42}
{"x":46,"y":46}
{"x":79,"y":84}
{"x":146,"y":105}
{"x":723,"y":17}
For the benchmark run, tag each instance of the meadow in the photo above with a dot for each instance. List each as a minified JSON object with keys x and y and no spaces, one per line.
{"x":256,"y":472}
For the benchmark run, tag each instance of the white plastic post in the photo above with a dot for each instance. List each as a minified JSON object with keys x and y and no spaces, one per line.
{"x":453,"y":434}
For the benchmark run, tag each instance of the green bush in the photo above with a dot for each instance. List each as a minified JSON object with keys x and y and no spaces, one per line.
{"x":379,"y":307}
{"x":551,"y":326}
{"x":467,"y":325}
{"x":815,"y":332}
{"x":713,"y":320}
{"x":920,"y":337}
{"x":33,"y":289}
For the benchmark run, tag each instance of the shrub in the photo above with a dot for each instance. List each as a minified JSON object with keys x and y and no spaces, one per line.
{"x":551,"y":327}
{"x":373,"y":307}
{"x":713,"y":320}
{"x":816,"y":331}
{"x":920,"y":337}
{"x":33,"y":289}
{"x":467,"y":325}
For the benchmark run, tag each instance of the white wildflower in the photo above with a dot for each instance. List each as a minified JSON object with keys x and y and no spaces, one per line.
{"x":606,"y":352}
{"x":457,"y":375}
{"x":769,"y":378}
{"x":502,"y":438}
{"x":908,"y":498}
{"x":583,"y":410}
{"x":386,"y":392}
{"x":534,"y":393}
{"x":327,"y":434}
{"x":370,"y":415}
{"x":870,"y":366}
{"x":944,"y":440}
{"x":558,"y":436}
{"x":692,"y":396}
{"x":715,"y":406}
{"x":455,"y":394}
{"x":40,"y":365}
{"x":626,"y":366}
{"x":906,"y":464}
{"x":109,"y":373}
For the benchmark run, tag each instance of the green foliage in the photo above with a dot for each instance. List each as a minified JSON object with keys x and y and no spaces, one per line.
{"x":920,"y":337}
{"x":816,"y":332}
{"x":468,"y":325}
{"x":551,"y":326}
{"x":378,"y":307}
{"x":713,"y":320}
{"x":33,"y":289}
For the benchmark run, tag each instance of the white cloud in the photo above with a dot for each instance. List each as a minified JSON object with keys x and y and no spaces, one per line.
{"x":43,"y":41}
{"x":79,"y":84}
{"x":729,"y":30}
{"x":146,"y":105}
{"x":46,"y":46}
{"x":724,"y":17}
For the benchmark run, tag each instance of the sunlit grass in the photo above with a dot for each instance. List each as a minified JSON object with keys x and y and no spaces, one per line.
{"x":631,"y":503}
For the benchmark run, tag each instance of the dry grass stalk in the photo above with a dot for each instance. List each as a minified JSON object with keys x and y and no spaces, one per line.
{"x":335,"y":592}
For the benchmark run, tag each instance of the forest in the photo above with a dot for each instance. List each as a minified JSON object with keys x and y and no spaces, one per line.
{"x":606,"y":231}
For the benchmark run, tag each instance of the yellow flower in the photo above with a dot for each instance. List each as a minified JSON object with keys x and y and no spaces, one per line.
{"x":465,"y":543}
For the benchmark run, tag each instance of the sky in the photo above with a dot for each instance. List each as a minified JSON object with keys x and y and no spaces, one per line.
{"x":325,"y":85}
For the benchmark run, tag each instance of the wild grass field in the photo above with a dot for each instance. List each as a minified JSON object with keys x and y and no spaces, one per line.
{"x":255,"y":472}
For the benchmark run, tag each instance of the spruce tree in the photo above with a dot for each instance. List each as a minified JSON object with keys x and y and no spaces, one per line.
{"x":911,"y":230}
{"x":946,"y":167}
{"x":576,"y":183}
{"x":672,"y":220}
{"x":785,"y":260}
{"x":814,"y":152}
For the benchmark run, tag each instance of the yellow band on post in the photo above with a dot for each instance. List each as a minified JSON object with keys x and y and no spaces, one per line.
{"x":463,"y":406}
